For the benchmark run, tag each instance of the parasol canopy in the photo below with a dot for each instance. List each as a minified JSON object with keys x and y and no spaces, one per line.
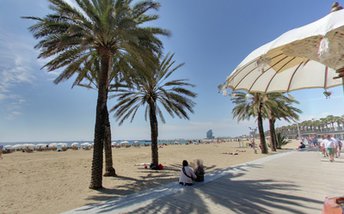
{"x":311,"y":56}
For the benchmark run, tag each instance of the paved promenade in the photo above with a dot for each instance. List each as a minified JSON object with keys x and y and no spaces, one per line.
{"x":292,"y":182}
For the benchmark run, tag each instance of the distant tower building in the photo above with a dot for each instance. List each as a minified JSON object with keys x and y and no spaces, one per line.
{"x":210,"y":134}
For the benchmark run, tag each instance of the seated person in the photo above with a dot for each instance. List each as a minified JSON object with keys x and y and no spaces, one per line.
{"x":302,"y":146}
{"x":199,"y":171}
{"x":186,"y":174}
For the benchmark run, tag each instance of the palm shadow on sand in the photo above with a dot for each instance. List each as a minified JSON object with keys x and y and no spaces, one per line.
{"x":226,"y":193}
{"x":148,"y":179}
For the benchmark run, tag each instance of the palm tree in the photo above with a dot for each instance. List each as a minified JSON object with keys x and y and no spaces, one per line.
{"x":340,"y":122}
{"x":151,"y":88}
{"x":252,"y":105}
{"x":70,"y":36}
{"x":324,"y":122}
{"x":330,"y":120}
{"x":88,"y":78}
{"x":317,"y":126}
{"x":281,"y":108}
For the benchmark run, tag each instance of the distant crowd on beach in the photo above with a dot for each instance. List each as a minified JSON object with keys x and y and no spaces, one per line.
{"x":61,"y":147}
{"x":328,"y":145}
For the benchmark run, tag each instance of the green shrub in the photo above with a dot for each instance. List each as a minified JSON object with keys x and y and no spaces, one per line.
{"x":281,"y":140}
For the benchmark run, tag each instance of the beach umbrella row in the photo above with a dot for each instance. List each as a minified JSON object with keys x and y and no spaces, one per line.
{"x":75,"y":145}
{"x":114,"y":144}
{"x":43,"y":146}
{"x":86,"y":146}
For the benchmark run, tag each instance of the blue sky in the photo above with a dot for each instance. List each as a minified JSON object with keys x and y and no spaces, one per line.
{"x":211,"y":37}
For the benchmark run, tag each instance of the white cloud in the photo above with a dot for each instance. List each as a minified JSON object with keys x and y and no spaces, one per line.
{"x":16,"y":63}
{"x":17,"y":66}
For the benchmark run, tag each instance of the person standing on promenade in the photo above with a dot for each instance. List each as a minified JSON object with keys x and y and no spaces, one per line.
{"x":336,"y":149}
{"x":330,"y":146}
{"x":322,"y":146}
{"x":339,"y":148}
{"x":315,"y":141}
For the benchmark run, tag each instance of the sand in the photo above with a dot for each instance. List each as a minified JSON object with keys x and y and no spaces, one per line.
{"x":53,"y":182}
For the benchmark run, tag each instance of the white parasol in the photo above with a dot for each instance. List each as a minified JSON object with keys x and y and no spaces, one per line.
{"x":311,"y":56}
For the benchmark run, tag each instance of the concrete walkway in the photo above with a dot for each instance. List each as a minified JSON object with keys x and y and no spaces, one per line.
{"x":292,"y":182}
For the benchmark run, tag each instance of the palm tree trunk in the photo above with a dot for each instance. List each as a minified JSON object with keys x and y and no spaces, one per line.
{"x":263,"y":145}
{"x":109,"y":170}
{"x":99,"y":132}
{"x":154,"y":133}
{"x":273,"y":134}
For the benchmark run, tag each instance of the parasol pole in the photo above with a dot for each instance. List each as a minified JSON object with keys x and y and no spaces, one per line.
{"x":340,"y":75}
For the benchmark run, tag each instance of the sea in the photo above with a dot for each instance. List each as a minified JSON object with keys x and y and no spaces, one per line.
{"x":69,"y":143}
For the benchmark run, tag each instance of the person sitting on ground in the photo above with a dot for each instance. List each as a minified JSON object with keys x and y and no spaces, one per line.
{"x":199,"y":171}
{"x":302,"y":146}
{"x":186,"y":174}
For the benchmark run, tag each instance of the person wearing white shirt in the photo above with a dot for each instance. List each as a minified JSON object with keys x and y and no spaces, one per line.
{"x":186,"y":174}
{"x":330,"y":146}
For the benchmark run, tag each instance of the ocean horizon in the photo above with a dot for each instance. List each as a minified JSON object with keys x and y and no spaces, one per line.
{"x":142,"y":142}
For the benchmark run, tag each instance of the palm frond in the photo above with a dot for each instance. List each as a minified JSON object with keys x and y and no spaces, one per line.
{"x":152,"y":86}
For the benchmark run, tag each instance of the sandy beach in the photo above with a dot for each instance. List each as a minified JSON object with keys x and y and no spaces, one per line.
{"x":53,"y":182}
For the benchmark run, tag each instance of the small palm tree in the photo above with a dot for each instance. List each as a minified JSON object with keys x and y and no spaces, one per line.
{"x":281,"y":140}
{"x":151,"y":88}
{"x":252,"y":105}
{"x":106,"y":28}
{"x":281,"y":108}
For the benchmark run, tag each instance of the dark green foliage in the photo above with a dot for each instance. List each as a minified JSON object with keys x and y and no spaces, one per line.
{"x":270,"y":106}
{"x":72,"y":38}
{"x":281,"y":140}
{"x":252,"y":105}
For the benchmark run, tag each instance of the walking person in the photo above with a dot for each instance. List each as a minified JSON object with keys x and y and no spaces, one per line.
{"x":336,"y":149}
{"x":322,"y":146}
{"x":315,"y":141}
{"x":330,"y":146}
{"x":339,"y":148}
